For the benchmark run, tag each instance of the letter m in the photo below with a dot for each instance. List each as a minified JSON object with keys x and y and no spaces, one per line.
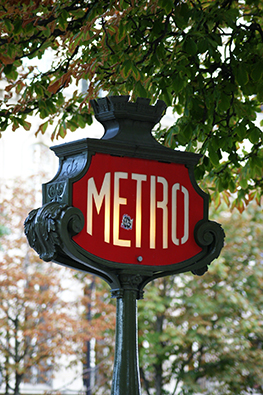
{"x":98,"y":198}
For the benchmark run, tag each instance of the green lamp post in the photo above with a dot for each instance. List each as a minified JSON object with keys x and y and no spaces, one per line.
{"x":128,"y":210}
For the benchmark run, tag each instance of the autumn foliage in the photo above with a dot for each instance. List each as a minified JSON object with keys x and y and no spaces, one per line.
{"x":37,"y":323}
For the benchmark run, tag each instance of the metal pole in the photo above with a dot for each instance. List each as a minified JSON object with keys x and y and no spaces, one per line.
{"x":87,"y":376}
{"x":126,"y":379}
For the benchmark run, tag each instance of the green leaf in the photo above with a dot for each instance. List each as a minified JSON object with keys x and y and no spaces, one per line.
{"x":60,"y":99}
{"x":166,"y":96}
{"x":121,"y":32}
{"x":123,"y":4}
{"x":243,"y":183}
{"x":213,"y":155}
{"x":135,"y":72}
{"x":10,"y":72}
{"x":26,"y":125}
{"x":188,"y":131}
{"x":142,"y":92}
{"x":241,"y":75}
{"x":43,"y":109}
{"x":254,"y":135}
{"x":181,"y":15}
{"x":255,"y":166}
{"x":78,"y":13}
{"x":167,"y":5}
{"x":80,"y":120}
{"x":230,"y":15}
{"x":203,"y":45}
{"x":190,"y":46}
{"x":39,"y":89}
{"x":232,"y":186}
{"x":257,"y":71}
{"x":63,"y":19}
{"x":241,"y":132}
{"x":177,"y":83}
{"x":11,"y":51}
{"x":224,"y":102}
{"x":50,"y":106}
{"x":87,"y":117}
{"x":47,"y":32}
{"x":43,"y":127}
{"x":126,"y":68}
{"x":62,"y":131}
{"x":199,"y":172}
{"x":216,"y":39}
{"x":72,"y":125}
{"x":9,"y":26}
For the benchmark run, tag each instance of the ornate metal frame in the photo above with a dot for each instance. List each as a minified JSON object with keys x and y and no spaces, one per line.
{"x":127,"y":133}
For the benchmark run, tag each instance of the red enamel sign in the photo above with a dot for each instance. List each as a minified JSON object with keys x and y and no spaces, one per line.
{"x":137,"y":211}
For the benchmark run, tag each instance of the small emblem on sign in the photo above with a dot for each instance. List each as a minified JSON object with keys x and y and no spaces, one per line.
{"x":126,"y":222}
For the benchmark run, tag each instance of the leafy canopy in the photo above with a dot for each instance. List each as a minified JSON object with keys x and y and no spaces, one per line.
{"x":203,"y":58}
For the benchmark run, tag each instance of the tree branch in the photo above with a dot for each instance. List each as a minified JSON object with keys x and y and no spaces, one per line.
{"x":154,"y":44}
{"x":146,"y":382}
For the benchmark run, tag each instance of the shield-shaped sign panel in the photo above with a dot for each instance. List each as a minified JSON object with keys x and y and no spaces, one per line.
{"x":138,"y":211}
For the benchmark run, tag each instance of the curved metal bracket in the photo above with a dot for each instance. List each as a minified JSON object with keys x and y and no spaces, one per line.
{"x":49,"y":231}
{"x":209,"y":234}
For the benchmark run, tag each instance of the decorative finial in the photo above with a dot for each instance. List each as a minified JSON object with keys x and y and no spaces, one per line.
{"x":114,"y":107}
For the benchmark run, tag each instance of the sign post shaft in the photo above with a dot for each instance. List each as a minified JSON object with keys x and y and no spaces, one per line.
{"x":126,"y":378}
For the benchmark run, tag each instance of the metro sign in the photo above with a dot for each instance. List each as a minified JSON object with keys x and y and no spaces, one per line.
{"x":125,"y":203}
{"x":138,"y":211}
{"x":129,"y":210}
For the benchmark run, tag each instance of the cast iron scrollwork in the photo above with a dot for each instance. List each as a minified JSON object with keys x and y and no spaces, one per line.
{"x":129,"y":281}
{"x":47,"y":226}
{"x":211,"y":235}
{"x":56,"y":191}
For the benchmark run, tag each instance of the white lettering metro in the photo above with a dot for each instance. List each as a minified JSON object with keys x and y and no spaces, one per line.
{"x":105,"y":195}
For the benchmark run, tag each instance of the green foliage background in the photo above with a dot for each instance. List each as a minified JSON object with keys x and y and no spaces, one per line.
{"x":204,"y":334}
{"x":203,"y":58}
